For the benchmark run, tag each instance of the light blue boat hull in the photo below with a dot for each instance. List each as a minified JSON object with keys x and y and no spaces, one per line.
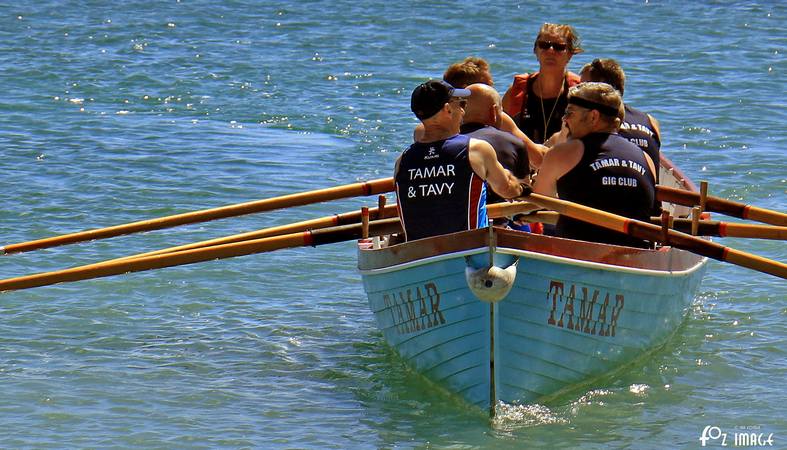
{"x":565,"y":321}
{"x":591,"y":321}
{"x":428,"y":314}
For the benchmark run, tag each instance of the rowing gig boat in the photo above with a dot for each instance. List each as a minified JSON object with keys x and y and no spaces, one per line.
{"x":548,"y":315}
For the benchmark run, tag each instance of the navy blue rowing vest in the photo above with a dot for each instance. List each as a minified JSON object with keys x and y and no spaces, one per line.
{"x":437,"y":191}
{"x":613,"y":176}
{"x":510,"y":150}
{"x":638,"y":129}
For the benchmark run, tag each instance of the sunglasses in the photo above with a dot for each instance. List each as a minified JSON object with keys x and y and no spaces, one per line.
{"x":462,"y":103}
{"x":546,"y":45}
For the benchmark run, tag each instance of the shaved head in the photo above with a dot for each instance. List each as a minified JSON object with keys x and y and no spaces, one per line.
{"x":483,"y":105}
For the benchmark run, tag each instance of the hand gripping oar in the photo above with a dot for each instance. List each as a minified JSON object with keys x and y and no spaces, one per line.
{"x":239,"y":209}
{"x":654,"y":233}
{"x":115,"y":267}
{"x":720,"y":205}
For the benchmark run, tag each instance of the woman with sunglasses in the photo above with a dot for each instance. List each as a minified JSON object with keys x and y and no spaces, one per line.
{"x":537,"y":101}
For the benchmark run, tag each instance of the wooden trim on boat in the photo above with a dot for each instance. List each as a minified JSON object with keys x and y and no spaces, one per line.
{"x":666,"y":259}
{"x":680,"y":179}
{"x":423,"y":248}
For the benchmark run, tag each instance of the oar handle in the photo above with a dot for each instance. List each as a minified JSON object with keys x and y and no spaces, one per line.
{"x":506,"y":209}
{"x":302,"y":198}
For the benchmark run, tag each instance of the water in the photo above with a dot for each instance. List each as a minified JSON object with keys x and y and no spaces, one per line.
{"x":111,"y":113}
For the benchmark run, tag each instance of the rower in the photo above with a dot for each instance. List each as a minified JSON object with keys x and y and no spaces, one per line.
{"x":441,"y":178}
{"x":598,"y":167}
{"x":639,"y":127}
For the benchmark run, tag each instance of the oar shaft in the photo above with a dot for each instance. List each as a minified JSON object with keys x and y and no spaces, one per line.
{"x":313,"y":224}
{"x":506,"y":209}
{"x":654,"y":233}
{"x":494,"y":210}
{"x":729,"y":229}
{"x":755,"y":262}
{"x":302,"y":198}
{"x":115,"y":267}
{"x":720,"y":205}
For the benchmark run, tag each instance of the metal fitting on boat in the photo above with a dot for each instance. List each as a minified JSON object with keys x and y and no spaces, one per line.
{"x":491,"y":284}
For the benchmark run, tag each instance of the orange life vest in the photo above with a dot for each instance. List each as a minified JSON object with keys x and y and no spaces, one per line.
{"x":518,"y":92}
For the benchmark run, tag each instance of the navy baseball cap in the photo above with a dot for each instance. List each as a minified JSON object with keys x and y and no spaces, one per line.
{"x":428,"y":98}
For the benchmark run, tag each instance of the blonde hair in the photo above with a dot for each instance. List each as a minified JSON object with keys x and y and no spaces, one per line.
{"x":567,"y":32}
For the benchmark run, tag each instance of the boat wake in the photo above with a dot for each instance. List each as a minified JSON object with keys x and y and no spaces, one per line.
{"x":510,"y":417}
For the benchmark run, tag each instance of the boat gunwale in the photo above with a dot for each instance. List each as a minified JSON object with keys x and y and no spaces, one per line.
{"x":667,"y":261}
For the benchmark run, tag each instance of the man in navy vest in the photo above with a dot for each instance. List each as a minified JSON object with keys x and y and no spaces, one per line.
{"x":597,"y":167}
{"x":441,"y":178}
{"x":640,"y":128}
{"x":482,"y":121}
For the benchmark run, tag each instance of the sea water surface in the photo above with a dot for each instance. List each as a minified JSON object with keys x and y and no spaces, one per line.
{"x":113,"y":112}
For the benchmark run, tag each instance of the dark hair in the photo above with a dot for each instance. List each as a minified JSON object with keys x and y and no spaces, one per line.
{"x":605,"y":70}
{"x":567,"y":32}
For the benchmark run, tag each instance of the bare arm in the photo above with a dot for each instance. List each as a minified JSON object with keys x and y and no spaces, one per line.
{"x":651,"y":166}
{"x":507,"y":99}
{"x":396,"y":166}
{"x":558,"y":137}
{"x":557,"y":162}
{"x":535,"y":152}
{"x":483,"y":160}
{"x":656,"y":126}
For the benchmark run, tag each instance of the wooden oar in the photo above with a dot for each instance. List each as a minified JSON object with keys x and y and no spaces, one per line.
{"x":108,"y":268}
{"x":302,"y":198}
{"x":655,"y":233}
{"x":494,"y":210}
{"x":313,"y":224}
{"x":720,"y":205}
{"x":507,"y":209}
{"x":729,"y":229}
